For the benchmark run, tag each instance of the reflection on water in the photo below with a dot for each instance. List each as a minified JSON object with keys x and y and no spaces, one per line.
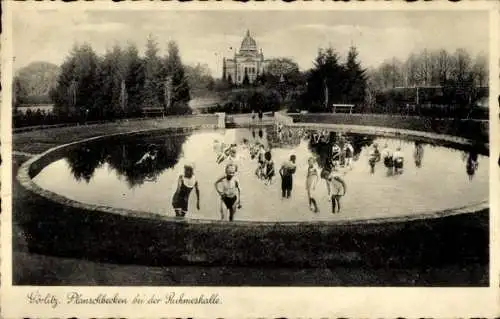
{"x":418,"y":154}
{"x":472,"y":163}
{"x":135,"y":160}
{"x":384,"y":177}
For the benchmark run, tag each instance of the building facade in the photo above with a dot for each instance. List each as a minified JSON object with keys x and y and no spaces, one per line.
{"x":249,"y":61}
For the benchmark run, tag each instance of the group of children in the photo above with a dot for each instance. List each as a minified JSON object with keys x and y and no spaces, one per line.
{"x":341,"y":155}
{"x":228,"y":188}
{"x":393,"y":161}
{"x":265,"y":164}
{"x":335,"y":185}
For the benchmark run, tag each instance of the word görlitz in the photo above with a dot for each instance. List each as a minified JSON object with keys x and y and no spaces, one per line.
{"x":47,"y":299}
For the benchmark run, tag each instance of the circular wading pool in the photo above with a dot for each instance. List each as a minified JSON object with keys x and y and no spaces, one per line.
{"x":109,"y":172}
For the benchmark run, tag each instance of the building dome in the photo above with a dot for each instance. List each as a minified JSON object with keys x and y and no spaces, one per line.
{"x":248,"y":44}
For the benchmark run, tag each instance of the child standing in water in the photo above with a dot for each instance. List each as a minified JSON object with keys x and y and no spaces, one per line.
{"x":387,"y":156}
{"x":336,"y":155}
{"x":398,"y":160}
{"x":228,"y":188}
{"x":260,"y":172}
{"x":233,"y":156}
{"x":311,"y":184}
{"x":337,"y":189}
{"x":185,"y":185}
{"x":374,"y":158}
{"x":286,"y":172}
{"x":349,"y":153}
{"x":269,"y":168}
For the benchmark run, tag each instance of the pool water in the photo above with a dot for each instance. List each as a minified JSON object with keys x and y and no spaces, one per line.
{"x":108,"y":173}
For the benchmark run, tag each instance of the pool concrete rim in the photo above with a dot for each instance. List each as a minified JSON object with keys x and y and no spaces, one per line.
{"x":24,"y":177}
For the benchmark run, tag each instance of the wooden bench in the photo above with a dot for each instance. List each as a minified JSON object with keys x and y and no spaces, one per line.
{"x":152,"y":111}
{"x":342,"y":108}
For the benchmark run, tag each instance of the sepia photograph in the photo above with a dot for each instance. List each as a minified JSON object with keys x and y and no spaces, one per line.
{"x":255,"y":148}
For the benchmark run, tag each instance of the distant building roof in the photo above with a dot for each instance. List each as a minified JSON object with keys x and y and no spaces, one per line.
{"x":248,"y":44}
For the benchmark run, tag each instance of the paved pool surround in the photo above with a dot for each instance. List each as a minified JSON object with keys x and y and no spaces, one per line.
{"x":67,"y":228}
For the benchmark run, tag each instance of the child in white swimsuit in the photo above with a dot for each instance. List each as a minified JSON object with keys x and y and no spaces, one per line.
{"x":336,"y":190}
{"x":311,"y":184}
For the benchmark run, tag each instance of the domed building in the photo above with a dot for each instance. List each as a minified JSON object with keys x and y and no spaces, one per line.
{"x":248,"y":61}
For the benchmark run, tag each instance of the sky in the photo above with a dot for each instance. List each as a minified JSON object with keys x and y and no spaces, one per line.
{"x":206,"y":36}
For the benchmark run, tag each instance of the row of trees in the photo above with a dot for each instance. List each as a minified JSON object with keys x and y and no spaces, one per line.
{"x":121,"y":83}
{"x":431,"y":68}
{"x":438,"y":82}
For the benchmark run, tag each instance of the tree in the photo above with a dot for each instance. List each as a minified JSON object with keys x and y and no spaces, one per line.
{"x":112,"y":74}
{"x":199,"y":78}
{"x":480,"y":70}
{"x":281,"y":66}
{"x":175,"y":69}
{"x":424,"y":68}
{"x":134,"y":79}
{"x":355,"y":82}
{"x":460,"y":89}
{"x":19,"y":93}
{"x":152,"y":85}
{"x":412,"y":74}
{"x":442,"y":62}
{"x":462,"y":66}
{"x":77,"y":90}
{"x":324,"y":81}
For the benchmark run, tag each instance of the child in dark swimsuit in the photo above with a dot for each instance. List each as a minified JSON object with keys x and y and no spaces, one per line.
{"x":230,"y":192}
{"x":398,"y":161}
{"x":387,"y":156}
{"x":286,"y":172}
{"x":185,"y":185}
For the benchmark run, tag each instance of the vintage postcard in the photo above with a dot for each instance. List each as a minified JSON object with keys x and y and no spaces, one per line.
{"x":260,"y":160}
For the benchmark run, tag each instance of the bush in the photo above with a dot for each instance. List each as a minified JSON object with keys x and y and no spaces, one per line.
{"x":179,"y":109}
{"x":246,"y":100}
